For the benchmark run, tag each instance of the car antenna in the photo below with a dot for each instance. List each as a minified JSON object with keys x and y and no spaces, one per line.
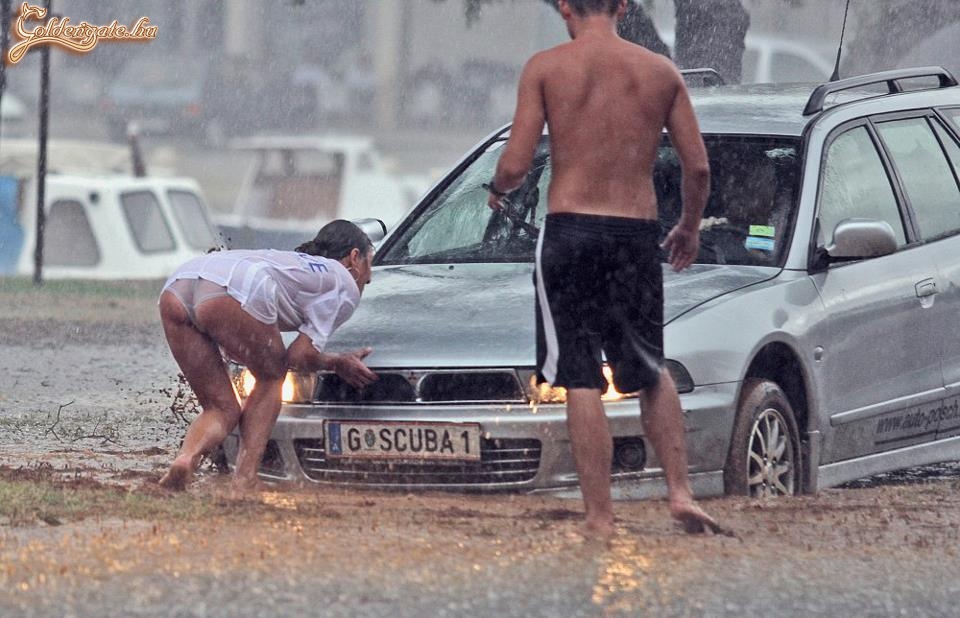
{"x":843,"y":29}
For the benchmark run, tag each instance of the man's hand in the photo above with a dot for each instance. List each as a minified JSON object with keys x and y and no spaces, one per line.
{"x":350,"y":367}
{"x":682,"y":246}
{"x":494,"y":201}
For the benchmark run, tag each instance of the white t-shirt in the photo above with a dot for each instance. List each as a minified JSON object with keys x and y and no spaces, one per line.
{"x":296,"y":291}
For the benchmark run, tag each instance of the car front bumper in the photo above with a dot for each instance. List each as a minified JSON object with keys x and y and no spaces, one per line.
{"x":525,"y":448}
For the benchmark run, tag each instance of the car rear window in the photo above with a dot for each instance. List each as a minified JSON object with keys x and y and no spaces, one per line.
{"x":192,"y":218}
{"x":747,"y":221}
{"x":146,"y":222}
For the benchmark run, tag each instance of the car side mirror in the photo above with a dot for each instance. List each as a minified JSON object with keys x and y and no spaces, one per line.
{"x":857,"y":239}
{"x":375,"y":229}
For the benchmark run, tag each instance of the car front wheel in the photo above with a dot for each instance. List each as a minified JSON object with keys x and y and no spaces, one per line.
{"x":764,"y":457}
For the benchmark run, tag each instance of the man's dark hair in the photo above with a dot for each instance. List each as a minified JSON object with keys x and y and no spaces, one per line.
{"x":589,"y":7}
{"x":336,"y":240}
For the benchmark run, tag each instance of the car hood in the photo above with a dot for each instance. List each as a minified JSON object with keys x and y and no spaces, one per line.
{"x":482,"y":315}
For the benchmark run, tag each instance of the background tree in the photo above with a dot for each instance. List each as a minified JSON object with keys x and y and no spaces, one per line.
{"x":710,"y":33}
{"x":884,"y":31}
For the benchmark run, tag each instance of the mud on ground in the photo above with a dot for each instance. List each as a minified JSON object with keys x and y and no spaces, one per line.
{"x":86,"y":427}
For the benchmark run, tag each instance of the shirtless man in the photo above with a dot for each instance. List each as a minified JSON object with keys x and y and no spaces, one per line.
{"x":606,"y":101}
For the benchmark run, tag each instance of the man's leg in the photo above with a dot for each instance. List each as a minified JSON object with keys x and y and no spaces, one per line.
{"x":662,"y":420}
{"x":592,"y":452}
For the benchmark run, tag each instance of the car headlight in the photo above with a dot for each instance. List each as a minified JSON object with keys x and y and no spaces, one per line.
{"x":297,"y":387}
{"x":545,"y":393}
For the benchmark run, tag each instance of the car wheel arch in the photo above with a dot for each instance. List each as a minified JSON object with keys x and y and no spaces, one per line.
{"x":778,"y":362}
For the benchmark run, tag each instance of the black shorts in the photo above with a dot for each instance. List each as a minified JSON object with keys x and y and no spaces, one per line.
{"x":599,"y":289}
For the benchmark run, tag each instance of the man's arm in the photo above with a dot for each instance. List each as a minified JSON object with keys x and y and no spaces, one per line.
{"x":683,"y":242}
{"x":524,"y":133}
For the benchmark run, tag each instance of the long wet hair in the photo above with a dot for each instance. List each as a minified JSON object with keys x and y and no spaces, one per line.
{"x":336,"y":240}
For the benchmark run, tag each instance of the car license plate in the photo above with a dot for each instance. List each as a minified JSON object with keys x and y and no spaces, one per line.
{"x":403,"y":441}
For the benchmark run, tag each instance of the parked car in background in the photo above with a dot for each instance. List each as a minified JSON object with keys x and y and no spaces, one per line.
{"x":159,"y":94}
{"x":205,"y":100}
{"x":768,"y":59}
{"x":816,"y":339}
{"x":295,"y":185}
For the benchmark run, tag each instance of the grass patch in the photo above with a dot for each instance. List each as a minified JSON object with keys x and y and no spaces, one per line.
{"x":25,"y":503}
{"x":138,"y":288}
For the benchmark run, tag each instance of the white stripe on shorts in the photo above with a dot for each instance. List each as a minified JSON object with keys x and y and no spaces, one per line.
{"x":549,"y":369}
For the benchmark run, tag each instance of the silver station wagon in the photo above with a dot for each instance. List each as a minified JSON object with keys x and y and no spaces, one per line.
{"x":816,"y":339}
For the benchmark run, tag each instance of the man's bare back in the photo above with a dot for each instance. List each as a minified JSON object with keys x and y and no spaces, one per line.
{"x":606,"y":103}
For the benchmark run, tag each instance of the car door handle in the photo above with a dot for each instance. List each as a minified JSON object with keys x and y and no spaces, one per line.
{"x":927,"y":287}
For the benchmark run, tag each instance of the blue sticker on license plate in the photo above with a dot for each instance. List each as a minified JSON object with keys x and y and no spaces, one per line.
{"x":333,"y":431}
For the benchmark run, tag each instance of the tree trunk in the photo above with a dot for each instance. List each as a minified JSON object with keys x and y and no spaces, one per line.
{"x":885,"y":30}
{"x":637,"y":27}
{"x":710,"y":33}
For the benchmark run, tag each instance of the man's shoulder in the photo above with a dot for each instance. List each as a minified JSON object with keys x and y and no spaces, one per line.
{"x":652,"y":60}
{"x":547,"y":57}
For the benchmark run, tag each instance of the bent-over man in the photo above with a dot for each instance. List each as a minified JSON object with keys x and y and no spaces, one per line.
{"x":598,"y":275}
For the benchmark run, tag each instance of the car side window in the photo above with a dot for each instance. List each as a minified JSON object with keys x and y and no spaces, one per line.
{"x":855,"y":185}
{"x":925,"y":175}
{"x":951,"y":146}
{"x":147,"y":223}
{"x":953,"y":114}
{"x":68,"y":238}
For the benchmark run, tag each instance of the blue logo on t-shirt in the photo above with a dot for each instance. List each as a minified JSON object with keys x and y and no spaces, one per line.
{"x":317,"y":267}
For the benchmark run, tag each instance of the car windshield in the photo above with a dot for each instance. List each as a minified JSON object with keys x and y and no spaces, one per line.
{"x":746,"y":221}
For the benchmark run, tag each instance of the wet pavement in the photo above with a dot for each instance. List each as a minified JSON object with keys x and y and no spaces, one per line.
{"x":87,"y":393}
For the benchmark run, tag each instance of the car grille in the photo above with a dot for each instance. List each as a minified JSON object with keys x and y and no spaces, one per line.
{"x":501,"y":462}
{"x":426,"y":386}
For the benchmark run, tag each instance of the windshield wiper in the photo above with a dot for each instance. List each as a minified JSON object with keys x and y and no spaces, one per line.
{"x":507,"y":211}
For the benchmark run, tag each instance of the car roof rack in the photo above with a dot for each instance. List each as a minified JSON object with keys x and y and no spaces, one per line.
{"x":710,"y":77}
{"x":890,"y":78}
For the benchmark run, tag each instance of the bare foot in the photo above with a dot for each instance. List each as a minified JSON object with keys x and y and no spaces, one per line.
{"x":694,"y":520}
{"x":602,"y":531}
{"x":177,"y":477}
{"x":243,"y":486}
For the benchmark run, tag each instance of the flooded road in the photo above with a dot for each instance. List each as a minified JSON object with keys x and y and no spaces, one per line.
{"x":86,"y":400}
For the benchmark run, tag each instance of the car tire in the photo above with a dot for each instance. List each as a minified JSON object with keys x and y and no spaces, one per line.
{"x":764,"y":458}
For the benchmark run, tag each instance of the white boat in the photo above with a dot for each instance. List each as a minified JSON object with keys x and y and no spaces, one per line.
{"x":101,"y":221}
{"x":297,"y":184}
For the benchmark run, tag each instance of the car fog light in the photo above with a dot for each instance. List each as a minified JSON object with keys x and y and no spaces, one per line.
{"x":629,"y":454}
